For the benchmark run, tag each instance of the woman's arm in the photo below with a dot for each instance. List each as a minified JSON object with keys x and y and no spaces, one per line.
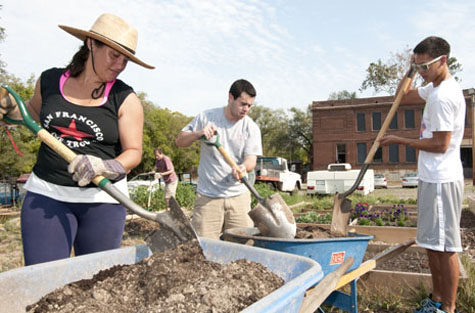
{"x":131,"y":132}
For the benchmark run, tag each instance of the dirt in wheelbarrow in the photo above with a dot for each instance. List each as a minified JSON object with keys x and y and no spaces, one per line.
{"x":176,"y":280}
{"x":314,"y":232}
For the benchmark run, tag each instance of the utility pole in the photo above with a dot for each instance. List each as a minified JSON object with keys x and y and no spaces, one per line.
{"x":471,"y":92}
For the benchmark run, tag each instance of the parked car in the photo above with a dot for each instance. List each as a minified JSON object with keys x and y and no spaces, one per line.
{"x":380,"y":181}
{"x":147,"y":180}
{"x":410,"y":180}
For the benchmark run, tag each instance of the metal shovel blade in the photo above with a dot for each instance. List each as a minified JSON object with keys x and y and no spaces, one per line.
{"x":273,"y":218}
{"x":340,"y":215}
{"x":174,"y":228}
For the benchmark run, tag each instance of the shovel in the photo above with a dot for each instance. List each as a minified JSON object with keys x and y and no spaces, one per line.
{"x":272,"y":215}
{"x":174,"y":227}
{"x":341,"y":206}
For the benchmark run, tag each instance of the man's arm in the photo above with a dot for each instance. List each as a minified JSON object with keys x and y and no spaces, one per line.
{"x":247,"y":165}
{"x":439,"y":143}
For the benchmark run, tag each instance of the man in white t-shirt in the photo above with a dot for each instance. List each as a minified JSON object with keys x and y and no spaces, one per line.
{"x":222,"y":201}
{"x":440,"y":190}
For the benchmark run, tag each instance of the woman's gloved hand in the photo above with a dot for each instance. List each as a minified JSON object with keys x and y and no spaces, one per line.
{"x":85,"y":167}
{"x":7,"y":103}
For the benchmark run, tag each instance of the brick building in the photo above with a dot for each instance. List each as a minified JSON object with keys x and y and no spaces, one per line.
{"x":344,"y":131}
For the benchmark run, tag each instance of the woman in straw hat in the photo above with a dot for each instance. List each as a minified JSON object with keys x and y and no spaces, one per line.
{"x":101,"y":119}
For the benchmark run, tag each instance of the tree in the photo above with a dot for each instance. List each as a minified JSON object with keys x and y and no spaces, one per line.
{"x":11,"y":164}
{"x":385,"y":77}
{"x":342,"y":95}
{"x":161,"y":126}
{"x":274,"y":126}
{"x":301,"y":133}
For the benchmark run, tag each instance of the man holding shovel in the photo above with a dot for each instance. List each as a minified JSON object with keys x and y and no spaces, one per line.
{"x":222,"y":202}
{"x":165,"y":169}
{"x":440,"y":190}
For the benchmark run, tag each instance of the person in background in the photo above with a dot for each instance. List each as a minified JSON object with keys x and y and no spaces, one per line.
{"x":440,"y":189}
{"x":222,"y":201}
{"x":100,"y":118}
{"x":164,"y":168}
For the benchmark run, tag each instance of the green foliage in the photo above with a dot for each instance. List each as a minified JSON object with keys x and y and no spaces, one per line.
{"x":395,"y":216}
{"x":185,"y":195}
{"x":314,"y":217}
{"x":286,"y":135}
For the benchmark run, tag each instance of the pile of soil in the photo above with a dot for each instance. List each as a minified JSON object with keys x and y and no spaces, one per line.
{"x":176,"y":280}
{"x":314,"y":232}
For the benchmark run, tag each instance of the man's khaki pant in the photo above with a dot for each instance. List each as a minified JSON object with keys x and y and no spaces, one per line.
{"x":212,"y":216}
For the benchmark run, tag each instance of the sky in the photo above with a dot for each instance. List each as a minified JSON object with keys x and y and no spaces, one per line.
{"x":293,"y":52}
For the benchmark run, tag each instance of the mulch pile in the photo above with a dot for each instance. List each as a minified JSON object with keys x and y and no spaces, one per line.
{"x":176,"y":280}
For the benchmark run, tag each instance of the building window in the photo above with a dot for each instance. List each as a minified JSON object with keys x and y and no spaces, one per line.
{"x":393,"y":124}
{"x":378,"y":156}
{"x":361,"y":149}
{"x":394,"y":153}
{"x":410,"y":154}
{"x":360,"y":122}
{"x":376,"y":120}
{"x":409,"y":119}
{"x":340,"y":153}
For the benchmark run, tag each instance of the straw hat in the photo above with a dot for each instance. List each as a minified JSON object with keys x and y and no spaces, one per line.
{"x":114,"y":32}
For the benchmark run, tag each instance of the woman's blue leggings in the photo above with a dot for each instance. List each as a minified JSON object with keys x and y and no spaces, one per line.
{"x":50,"y":228}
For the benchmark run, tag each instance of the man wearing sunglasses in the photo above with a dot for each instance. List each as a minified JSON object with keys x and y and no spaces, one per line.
{"x":440,"y":189}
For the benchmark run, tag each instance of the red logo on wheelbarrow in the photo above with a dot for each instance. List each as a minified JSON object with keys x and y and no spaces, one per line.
{"x":337,"y":257}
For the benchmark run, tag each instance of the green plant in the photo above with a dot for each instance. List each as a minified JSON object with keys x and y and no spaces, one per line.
{"x":397,"y":215}
{"x":314,"y":217}
{"x":185,"y":195}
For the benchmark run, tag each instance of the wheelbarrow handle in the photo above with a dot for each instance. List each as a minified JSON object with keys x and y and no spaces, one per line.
{"x":315,"y":296}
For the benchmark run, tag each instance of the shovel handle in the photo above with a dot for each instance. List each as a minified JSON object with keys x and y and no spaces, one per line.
{"x":242,"y":175}
{"x":406,"y":83}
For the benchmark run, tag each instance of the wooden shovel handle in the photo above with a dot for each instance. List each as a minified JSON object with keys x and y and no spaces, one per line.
{"x":406,"y":83}
{"x":230,"y":161}
{"x":60,"y":148}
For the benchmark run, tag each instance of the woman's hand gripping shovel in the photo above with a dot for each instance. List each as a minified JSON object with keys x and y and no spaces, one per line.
{"x":272,"y":215}
{"x":341,"y":206}
{"x":174,"y":227}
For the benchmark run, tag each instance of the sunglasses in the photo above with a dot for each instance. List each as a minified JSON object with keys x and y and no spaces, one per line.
{"x":425,"y":66}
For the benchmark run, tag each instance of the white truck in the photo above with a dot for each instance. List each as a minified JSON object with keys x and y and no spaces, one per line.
{"x":338,"y":178}
{"x":274,"y":171}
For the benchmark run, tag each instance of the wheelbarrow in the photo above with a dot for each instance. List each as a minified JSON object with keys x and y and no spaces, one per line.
{"x":331,"y":254}
{"x":26,"y":285}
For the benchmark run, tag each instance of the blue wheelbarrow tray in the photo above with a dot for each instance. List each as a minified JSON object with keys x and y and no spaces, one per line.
{"x":329,"y":253}
{"x":23,"y":286}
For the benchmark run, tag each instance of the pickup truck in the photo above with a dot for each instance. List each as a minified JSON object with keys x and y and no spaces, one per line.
{"x":274,"y":171}
{"x":338,"y":178}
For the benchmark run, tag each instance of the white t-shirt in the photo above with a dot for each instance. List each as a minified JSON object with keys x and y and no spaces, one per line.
{"x":444,"y":111}
{"x":239,"y":139}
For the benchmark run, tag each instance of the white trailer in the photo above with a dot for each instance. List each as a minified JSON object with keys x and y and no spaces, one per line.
{"x":338,"y":178}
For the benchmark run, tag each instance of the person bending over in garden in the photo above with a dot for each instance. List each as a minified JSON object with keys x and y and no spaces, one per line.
{"x":165,"y":169}
{"x":101,"y":119}
{"x":222,"y":201}
{"x":440,"y":189}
